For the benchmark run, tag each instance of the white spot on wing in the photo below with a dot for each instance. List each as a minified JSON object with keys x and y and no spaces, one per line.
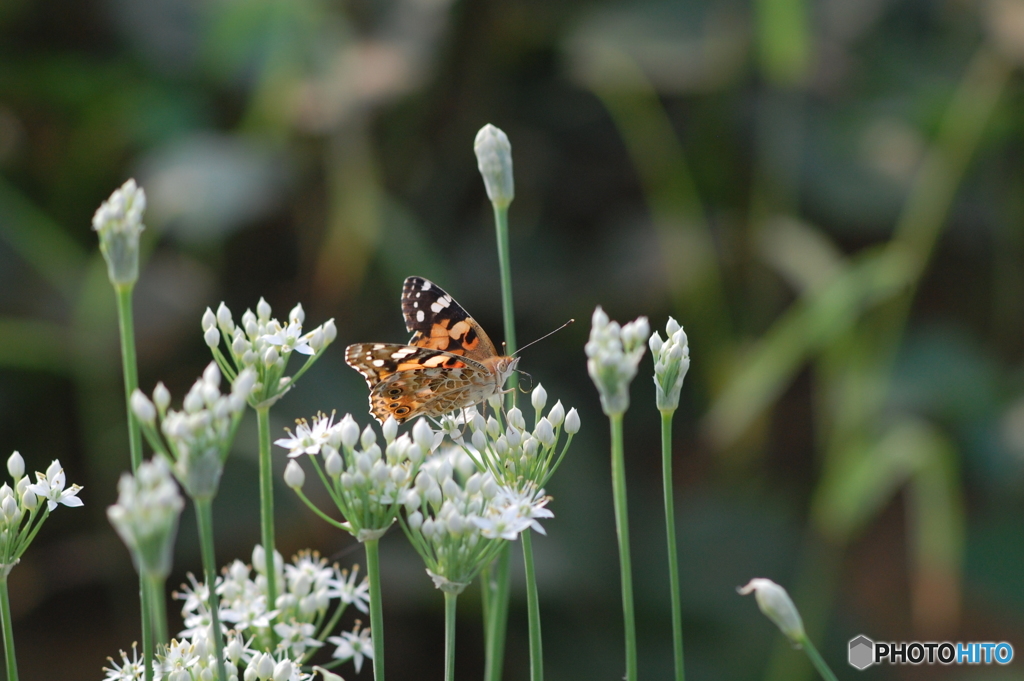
{"x":378,"y":346}
{"x":426,"y":285}
{"x":419,"y":316}
{"x":378,"y":362}
{"x":440,"y":304}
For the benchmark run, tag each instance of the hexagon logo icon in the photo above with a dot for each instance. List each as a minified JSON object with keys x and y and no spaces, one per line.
{"x":862,"y":652}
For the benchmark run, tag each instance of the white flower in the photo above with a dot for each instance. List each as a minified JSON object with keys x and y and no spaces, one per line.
{"x":50,"y":486}
{"x":344,"y":586}
{"x":296,"y":637}
{"x":307,"y":439}
{"x":129,"y":670}
{"x":353,"y":645}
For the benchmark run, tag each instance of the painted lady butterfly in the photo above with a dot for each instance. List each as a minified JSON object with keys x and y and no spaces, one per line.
{"x":449,"y":363}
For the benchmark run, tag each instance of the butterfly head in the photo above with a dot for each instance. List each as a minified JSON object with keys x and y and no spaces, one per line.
{"x":504,"y":368}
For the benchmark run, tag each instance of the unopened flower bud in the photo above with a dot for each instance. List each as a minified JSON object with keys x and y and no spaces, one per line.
{"x":283,"y":670}
{"x":557,"y":414}
{"x":265,"y":667}
{"x":422,"y":435}
{"x":224,"y":317}
{"x":349,"y":431}
{"x":368,"y":437}
{"x":297,"y":314}
{"x":209,"y":320}
{"x":572,"y":422}
{"x":333,"y":464}
{"x":330,"y":331}
{"x":390,"y":429}
{"x":263,"y":310}
{"x":16,"y":465}
{"x":142,"y":407}
{"x":415,"y":521}
{"x":479,"y":440}
{"x":211,"y":337}
{"x":777,"y":606}
{"x":294,"y":476}
{"x":118,"y":221}
{"x":539,"y":397}
{"x":494,"y":159}
{"x":544,"y":432}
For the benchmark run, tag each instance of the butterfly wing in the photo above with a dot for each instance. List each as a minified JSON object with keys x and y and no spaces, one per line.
{"x":438,"y":322}
{"x":407,"y":381}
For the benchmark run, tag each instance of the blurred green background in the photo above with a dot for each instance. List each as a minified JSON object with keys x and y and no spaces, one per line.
{"x":828,"y":195}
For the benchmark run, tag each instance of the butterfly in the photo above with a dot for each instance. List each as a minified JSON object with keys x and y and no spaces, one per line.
{"x":449,"y":363}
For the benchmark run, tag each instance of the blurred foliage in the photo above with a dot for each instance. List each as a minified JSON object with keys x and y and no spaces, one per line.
{"x":827,"y":195}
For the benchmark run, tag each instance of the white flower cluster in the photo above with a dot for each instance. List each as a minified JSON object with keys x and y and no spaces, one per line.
{"x":194,"y":659}
{"x":200,"y":435}
{"x":515,"y":455}
{"x":146,"y":516}
{"x":457,"y":528}
{"x":366,"y":482}
{"x":671,"y":362}
{"x":118,"y":221}
{"x":311,"y":587}
{"x":613,"y":354}
{"x":265,"y":345}
{"x":20,"y":506}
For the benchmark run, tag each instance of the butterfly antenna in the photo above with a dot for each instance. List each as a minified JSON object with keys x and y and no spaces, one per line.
{"x":550,"y":333}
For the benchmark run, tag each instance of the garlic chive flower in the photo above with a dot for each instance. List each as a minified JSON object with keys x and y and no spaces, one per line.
{"x":671,"y":362}
{"x":264,"y":344}
{"x":118,"y":221}
{"x":146,"y":516}
{"x":777,"y":606}
{"x":516,"y":456}
{"x":22,"y":512}
{"x":494,"y":159}
{"x":197,"y":438}
{"x":367,"y":480}
{"x":353,"y":645}
{"x":613,"y":354}
{"x":458,"y":527}
{"x":314,"y":597}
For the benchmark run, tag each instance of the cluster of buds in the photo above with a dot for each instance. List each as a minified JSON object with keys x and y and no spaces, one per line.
{"x":118,"y":221}
{"x":264,"y":344}
{"x":366,"y":482}
{"x":515,"y":455}
{"x":494,"y":159}
{"x":199,"y":436}
{"x":613,"y":353}
{"x":457,"y":528}
{"x":671,"y":362}
{"x":22,"y":511}
{"x":146,"y":516}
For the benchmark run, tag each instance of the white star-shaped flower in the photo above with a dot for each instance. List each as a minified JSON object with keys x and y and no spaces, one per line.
{"x":353,"y":645}
{"x":50,"y":486}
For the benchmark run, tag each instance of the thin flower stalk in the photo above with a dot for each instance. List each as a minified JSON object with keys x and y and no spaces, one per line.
{"x":613,"y":353}
{"x":671,"y":362}
{"x":118,"y":222}
{"x":264,"y":345}
{"x":494,"y":160}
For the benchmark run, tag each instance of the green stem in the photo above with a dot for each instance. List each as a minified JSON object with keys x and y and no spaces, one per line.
{"x":449,"y":635}
{"x":670,"y":534}
{"x":533,"y":610}
{"x":816,"y":660}
{"x":494,"y":654}
{"x":5,"y":620}
{"x":130,"y":369}
{"x":376,"y":607}
{"x":204,"y":518}
{"x":622,"y":529}
{"x":497,"y":623}
{"x":267,"y":502}
{"x":158,"y":611}
{"x":505,"y":266}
